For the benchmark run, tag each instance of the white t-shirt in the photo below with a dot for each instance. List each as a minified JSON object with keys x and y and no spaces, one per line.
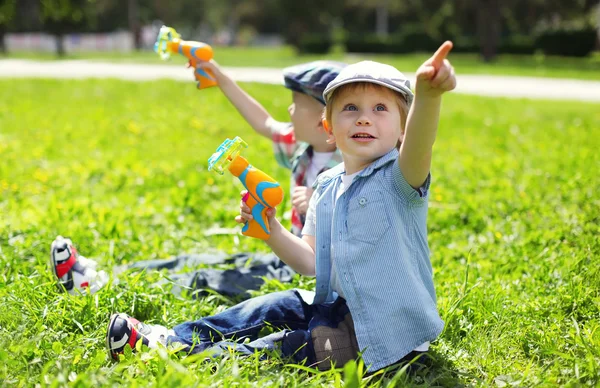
{"x":318,"y":162}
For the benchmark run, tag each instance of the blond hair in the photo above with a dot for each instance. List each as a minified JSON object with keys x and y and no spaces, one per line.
{"x":361,"y":87}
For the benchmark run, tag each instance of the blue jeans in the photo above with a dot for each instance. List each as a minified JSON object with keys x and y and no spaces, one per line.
{"x":247,"y":274}
{"x":301,"y":329}
{"x":287,"y":312}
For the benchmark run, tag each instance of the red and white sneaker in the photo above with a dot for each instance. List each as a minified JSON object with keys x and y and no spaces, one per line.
{"x":123,"y":330}
{"x":75,"y":273}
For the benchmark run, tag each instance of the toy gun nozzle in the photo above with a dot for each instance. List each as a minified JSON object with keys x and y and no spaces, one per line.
{"x":165,"y":35}
{"x":225,"y":154}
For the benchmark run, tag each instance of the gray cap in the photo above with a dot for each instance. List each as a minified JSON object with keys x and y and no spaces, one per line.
{"x":373,"y":72}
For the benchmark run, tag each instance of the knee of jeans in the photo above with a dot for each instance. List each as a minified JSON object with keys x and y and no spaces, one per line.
{"x":297,"y":344}
{"x":277,"y":297}
{"x":307,"y":296}
{"x":253,"y":305}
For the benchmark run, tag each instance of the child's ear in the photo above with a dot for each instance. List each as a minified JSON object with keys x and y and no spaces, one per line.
{"x":325,"y":125}
{"x":328,"y":131}
{"x":400,"y":140}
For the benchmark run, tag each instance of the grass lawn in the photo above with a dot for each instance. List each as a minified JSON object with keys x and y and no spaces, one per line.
{"x":525,"y":65}
{"x":122,"y":169}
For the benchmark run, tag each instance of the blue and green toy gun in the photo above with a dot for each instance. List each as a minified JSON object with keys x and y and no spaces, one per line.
{"x":169,"y":42}
{"x":264,"y":192}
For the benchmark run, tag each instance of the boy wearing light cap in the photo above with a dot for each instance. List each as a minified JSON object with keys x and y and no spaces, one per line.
{"x":365,"y":236}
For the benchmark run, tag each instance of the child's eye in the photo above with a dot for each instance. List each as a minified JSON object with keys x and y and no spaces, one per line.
{"x":351,"y":107}
{"x":380,"y":108}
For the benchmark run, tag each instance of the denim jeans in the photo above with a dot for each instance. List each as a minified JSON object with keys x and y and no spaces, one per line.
{"x":293,"y":318}
{"x":290,"y":313}
{"x":247,"y":274}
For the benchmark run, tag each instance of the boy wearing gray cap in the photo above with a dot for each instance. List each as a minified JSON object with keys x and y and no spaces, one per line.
{"x":301,"y":144}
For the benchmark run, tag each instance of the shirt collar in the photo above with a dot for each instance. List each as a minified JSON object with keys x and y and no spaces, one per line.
{"x":382,"y":161}
{"x":338,"y":170}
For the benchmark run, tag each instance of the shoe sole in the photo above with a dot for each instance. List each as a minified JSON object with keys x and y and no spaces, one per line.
{"x":113,"y":318}
{"x":61,"y":286}
{"x":53,"y":264}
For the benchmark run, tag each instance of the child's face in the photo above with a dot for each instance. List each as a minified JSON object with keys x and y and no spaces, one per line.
{"x":305,"y":113}
{"x":366,"y":124}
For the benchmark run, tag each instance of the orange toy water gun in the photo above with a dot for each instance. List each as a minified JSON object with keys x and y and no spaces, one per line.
{"x":169,"y":41}
{"x":264,"y":192}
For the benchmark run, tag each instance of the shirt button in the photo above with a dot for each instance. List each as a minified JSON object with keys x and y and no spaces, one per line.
{"x":362,"y":201}
{"x":340,"y":236}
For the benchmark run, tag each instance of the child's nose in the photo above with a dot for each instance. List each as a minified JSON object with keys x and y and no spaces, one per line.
{"x":363,"y":120}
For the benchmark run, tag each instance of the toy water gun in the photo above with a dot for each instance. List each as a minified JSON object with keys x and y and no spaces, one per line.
{"x":264,"y":192}
{"x":169,"y":41}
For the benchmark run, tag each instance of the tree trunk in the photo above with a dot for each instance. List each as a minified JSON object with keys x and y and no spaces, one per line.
{"x":133,"y":17}
{"x":60,"y":45}
{"x":233,"y":23}
{"x":382,"y":17}
{"x":488,"y":28}
{"x":598,"y":34}
{"x":3,"y":49}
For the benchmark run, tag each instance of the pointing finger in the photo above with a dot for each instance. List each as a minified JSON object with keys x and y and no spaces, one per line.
{"x":437,"y":59}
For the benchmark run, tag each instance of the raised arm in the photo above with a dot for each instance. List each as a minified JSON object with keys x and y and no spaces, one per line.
{"x":434,"y":77}
{"x":250,"y":109}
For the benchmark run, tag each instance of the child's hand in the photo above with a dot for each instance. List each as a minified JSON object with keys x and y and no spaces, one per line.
{"x":211,"y":66}
{"x":436,"y":75}
{"x":245,"y":211}
{"x":300,"y":198}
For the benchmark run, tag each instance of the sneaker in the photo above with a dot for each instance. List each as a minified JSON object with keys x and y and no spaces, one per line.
{"x":75,"y":273}
{"x":123,"y":330}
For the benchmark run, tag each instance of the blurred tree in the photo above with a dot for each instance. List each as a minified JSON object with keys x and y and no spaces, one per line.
{"x":598,"y":25}
{"x":488,"y":28}
{"x":231,"y":16}
{"x":525,"y":16}
{"x":7,"y":14}
{"x":481,"y":24}
{"x":382,"y":10}
{"x":133,"y":18}
{"x":63,"y":16}
{"x":309,"y":17}
{"x":170,"y":12}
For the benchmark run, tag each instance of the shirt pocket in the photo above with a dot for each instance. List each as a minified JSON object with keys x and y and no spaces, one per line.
{"x":367,"y":217}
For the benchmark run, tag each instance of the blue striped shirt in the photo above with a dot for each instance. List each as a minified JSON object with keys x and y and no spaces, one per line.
{"x":376,"y":232}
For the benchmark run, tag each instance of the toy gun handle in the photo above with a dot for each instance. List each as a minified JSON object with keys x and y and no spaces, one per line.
{"x":258,"y":227}
{"x":263,"y":193}
{"x":206,"y":78}
{"x":195,"y":52}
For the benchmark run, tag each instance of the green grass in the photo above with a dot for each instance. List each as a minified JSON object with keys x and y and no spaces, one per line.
{"x":121,"y":168}
{"x":524,"y":65}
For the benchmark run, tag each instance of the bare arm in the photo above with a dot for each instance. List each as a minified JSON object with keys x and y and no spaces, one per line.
{"x":250,"y":109}
{"x":434,"y":77}
{"x":298,"y":253}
